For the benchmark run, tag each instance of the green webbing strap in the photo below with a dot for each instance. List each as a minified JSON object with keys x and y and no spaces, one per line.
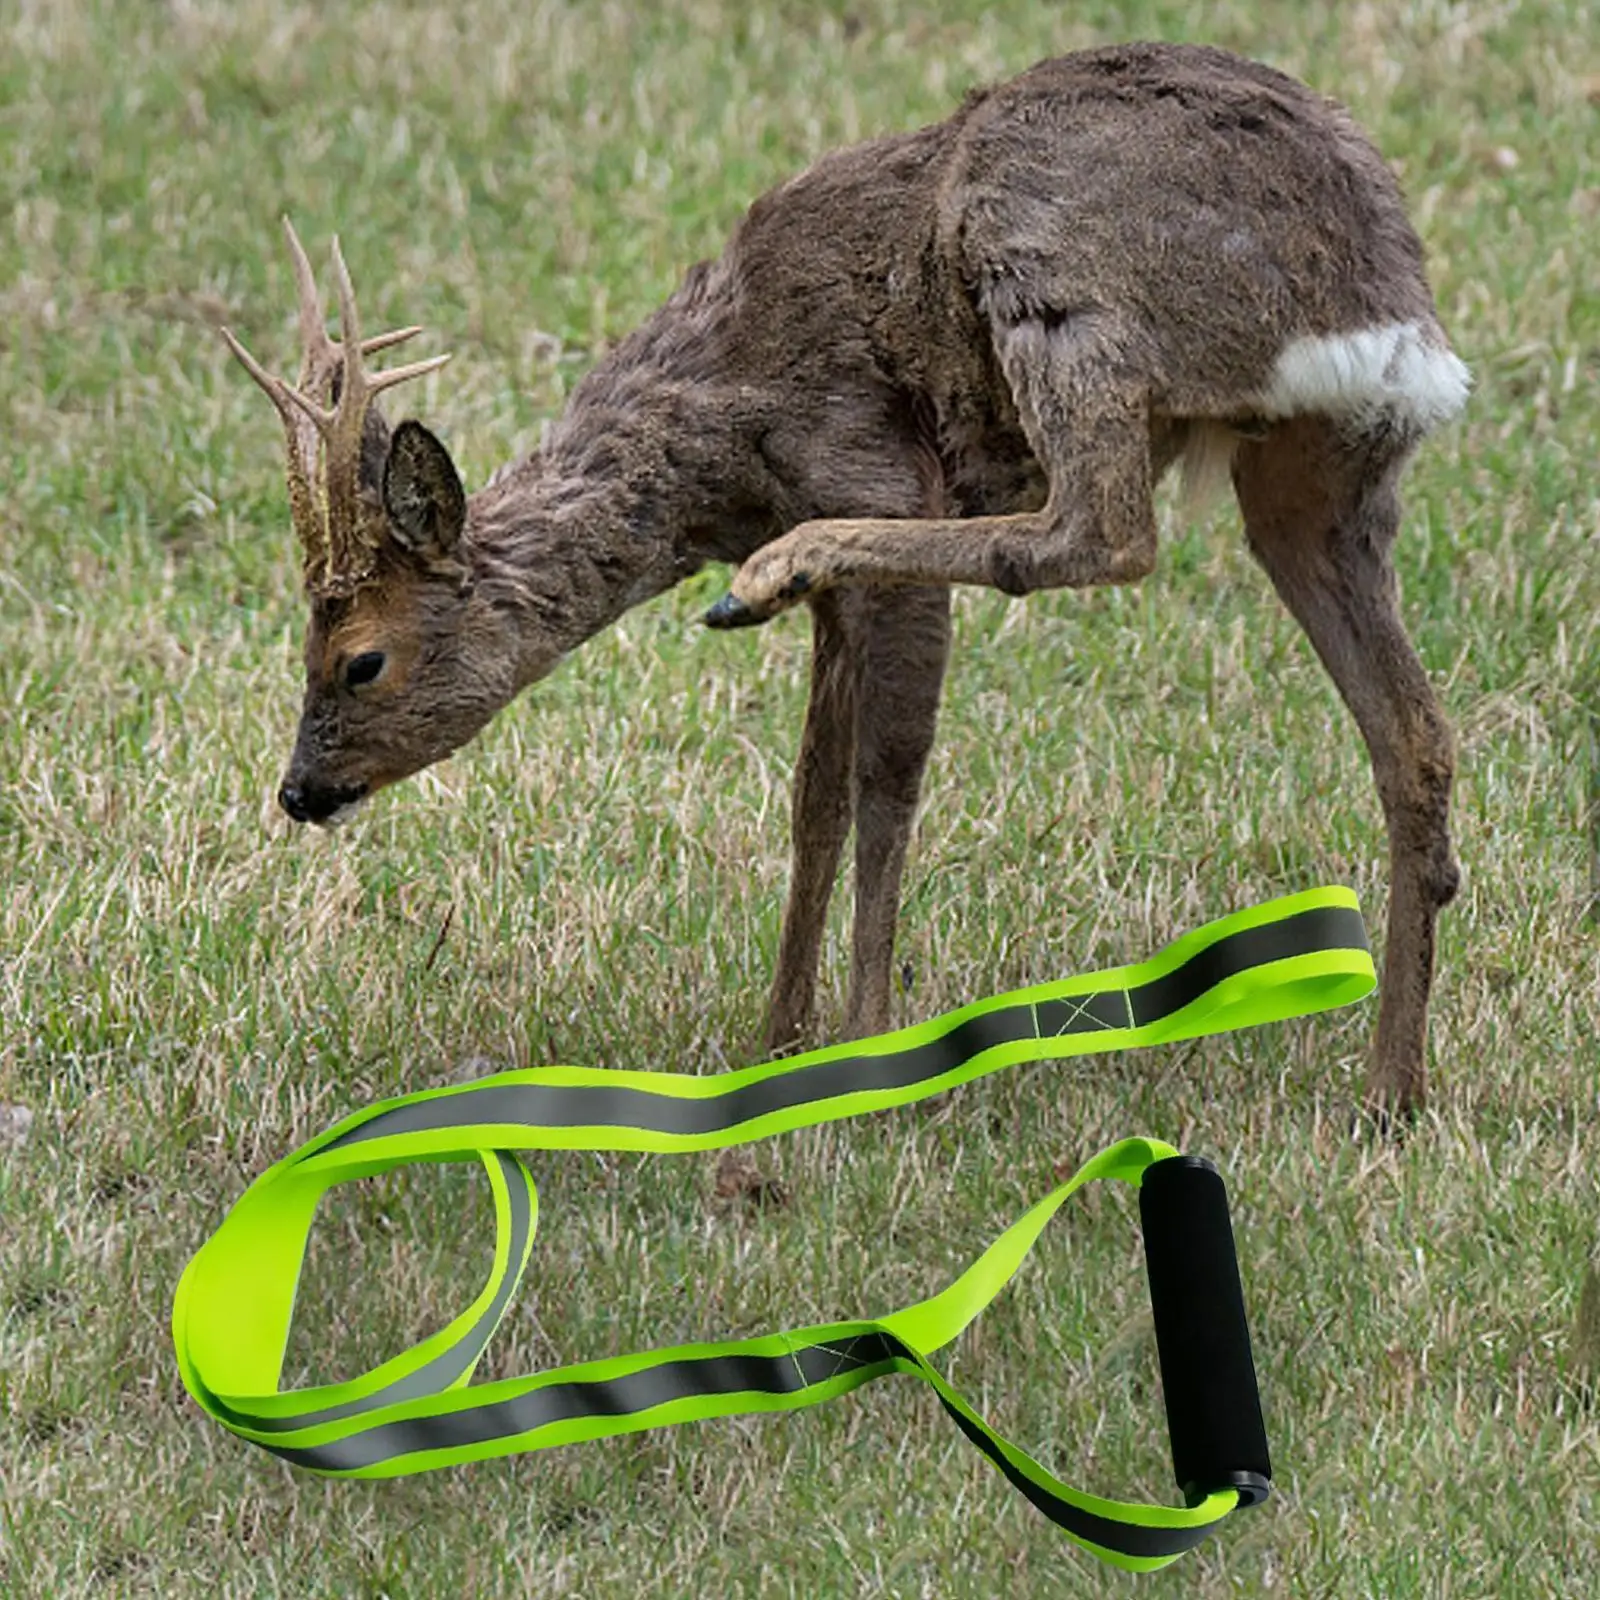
{"x":1288,"y":957}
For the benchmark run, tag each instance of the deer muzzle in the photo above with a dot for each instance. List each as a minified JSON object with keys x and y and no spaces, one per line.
{"x":319,"y":803}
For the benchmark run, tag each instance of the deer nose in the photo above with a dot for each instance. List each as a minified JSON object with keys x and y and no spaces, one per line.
{"x":293,"y":800}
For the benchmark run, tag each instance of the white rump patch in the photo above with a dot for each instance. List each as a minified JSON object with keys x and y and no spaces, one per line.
{"x":1396,"y":370}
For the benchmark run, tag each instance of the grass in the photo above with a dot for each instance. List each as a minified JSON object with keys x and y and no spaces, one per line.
{"x":189,"y":987}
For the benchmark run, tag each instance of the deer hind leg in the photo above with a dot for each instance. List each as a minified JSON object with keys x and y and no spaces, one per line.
{"x":1321,"y":510}
{"x":906,"y":648}
{"x":1088,"y":422}
{"x":820,"y":812}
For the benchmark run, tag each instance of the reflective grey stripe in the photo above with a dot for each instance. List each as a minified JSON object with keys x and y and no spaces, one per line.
{"x":730,"y":1373}
{"x":1128,"y":1538}
{"x":434,"y":1376}
{"x":1321,"y":928}
{"x":733,"y":1372}
{"x":582,"y":1106}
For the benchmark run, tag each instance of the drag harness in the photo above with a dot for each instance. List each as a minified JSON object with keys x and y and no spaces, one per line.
{"x":1285,"y":958}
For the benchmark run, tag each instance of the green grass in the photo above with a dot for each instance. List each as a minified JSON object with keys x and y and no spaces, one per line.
{"x":189,"y":987}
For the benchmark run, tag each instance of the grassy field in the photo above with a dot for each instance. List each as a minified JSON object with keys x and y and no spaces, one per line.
{"x":189,"y":986}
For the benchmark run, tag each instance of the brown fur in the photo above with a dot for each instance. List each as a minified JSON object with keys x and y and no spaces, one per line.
{"x":960,"y":355}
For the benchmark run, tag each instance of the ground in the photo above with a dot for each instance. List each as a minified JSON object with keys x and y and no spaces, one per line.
{"x":189,"y":986}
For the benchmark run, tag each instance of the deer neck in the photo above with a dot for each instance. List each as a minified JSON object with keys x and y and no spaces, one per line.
{"x":621,"y":503}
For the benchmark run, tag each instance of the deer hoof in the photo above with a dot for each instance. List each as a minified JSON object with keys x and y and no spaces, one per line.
{"x":731,"y":612}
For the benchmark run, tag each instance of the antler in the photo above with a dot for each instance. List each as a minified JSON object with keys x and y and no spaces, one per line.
{"x":337,"y":539}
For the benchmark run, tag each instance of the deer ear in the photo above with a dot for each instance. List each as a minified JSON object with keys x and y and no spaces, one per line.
{"x":422,"y":492}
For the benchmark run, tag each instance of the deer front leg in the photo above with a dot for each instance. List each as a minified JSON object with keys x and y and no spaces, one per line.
{"x":1091,"y":433}
{"x":820,"y":813}
{"x":1060,"y":547}
{"x":906,"y":649}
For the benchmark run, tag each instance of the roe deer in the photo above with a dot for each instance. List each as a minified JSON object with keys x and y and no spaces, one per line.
{"x":960,"y":355}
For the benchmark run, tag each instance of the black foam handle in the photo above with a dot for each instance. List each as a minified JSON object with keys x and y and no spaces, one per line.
{"x":1213,"y":1405}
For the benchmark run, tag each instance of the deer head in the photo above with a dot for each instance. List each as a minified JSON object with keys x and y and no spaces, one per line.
{"x":405,"y":658}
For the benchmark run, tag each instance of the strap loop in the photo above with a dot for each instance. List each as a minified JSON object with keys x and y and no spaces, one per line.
{"x":1288,"y":957}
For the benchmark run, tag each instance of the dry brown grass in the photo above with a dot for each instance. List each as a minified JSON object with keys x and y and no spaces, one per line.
{"x":188,"y":988}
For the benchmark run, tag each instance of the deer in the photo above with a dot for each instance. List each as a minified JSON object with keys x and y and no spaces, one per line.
{"x":960,"y":355}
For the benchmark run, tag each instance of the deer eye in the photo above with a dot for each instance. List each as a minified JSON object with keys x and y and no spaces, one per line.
{"x":364,"y":668}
